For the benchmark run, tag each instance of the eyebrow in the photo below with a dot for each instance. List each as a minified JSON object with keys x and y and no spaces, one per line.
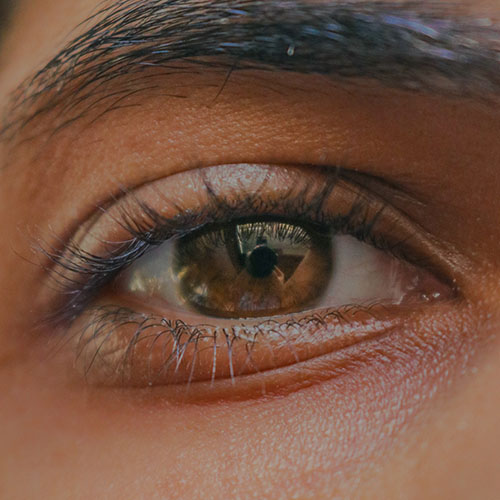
{"x":423,"y":46}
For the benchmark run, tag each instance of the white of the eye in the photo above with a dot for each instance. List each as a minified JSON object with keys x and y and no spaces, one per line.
{"x":153,"y":275}
{"x":362,"y":274}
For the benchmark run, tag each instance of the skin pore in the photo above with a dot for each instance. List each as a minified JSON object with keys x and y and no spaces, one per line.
{"x":413,"y":414}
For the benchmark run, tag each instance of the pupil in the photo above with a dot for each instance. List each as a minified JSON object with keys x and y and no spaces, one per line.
{"x":262,"y":261}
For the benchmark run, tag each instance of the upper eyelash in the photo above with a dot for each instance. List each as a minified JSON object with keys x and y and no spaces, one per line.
{"x":89,"y":273}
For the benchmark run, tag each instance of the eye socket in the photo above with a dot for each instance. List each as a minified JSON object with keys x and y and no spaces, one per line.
{"x":216,"y":274}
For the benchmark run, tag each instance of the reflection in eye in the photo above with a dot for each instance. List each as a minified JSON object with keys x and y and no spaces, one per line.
{"x":237,"y":270}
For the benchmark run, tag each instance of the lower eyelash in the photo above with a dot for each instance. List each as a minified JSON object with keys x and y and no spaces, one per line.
{"x":114,"y":363}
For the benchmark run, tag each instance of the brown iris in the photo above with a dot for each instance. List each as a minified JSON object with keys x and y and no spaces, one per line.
{"x":253,"y":269}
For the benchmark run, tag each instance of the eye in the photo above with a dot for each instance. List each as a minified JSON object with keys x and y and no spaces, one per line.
{"x":254,"y":269}
{"x":234,"y":271}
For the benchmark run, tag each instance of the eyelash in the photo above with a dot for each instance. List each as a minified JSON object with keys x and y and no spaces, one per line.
{"x":90,"y":273}
{"x":108,"y":332}
{"x":106,"y":320}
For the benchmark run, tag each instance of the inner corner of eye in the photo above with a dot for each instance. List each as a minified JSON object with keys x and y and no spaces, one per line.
{"x":264,"y":268}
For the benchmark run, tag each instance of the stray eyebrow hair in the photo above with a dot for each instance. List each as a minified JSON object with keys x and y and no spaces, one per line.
{"x":411,"y":45}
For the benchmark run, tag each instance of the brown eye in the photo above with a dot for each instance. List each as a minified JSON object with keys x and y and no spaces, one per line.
{"x":253,"y":269}
{"x":267,"y":286}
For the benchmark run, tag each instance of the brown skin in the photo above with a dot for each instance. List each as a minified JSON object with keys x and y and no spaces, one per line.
{"x":424,"y":425}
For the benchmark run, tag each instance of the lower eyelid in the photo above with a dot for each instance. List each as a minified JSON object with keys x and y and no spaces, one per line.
{"x":117,"y":346}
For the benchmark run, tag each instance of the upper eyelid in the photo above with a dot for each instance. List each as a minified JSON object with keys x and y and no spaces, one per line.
{"x":363,"y":184}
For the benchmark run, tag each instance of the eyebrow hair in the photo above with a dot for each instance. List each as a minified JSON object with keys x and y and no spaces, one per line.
{"x":421,"y":46}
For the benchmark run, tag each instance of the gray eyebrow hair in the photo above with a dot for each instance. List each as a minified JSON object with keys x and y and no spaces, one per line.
{"x":420,"y":46}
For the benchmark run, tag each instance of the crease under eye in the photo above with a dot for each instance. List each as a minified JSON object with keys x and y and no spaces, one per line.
{"x":131,"y":340}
